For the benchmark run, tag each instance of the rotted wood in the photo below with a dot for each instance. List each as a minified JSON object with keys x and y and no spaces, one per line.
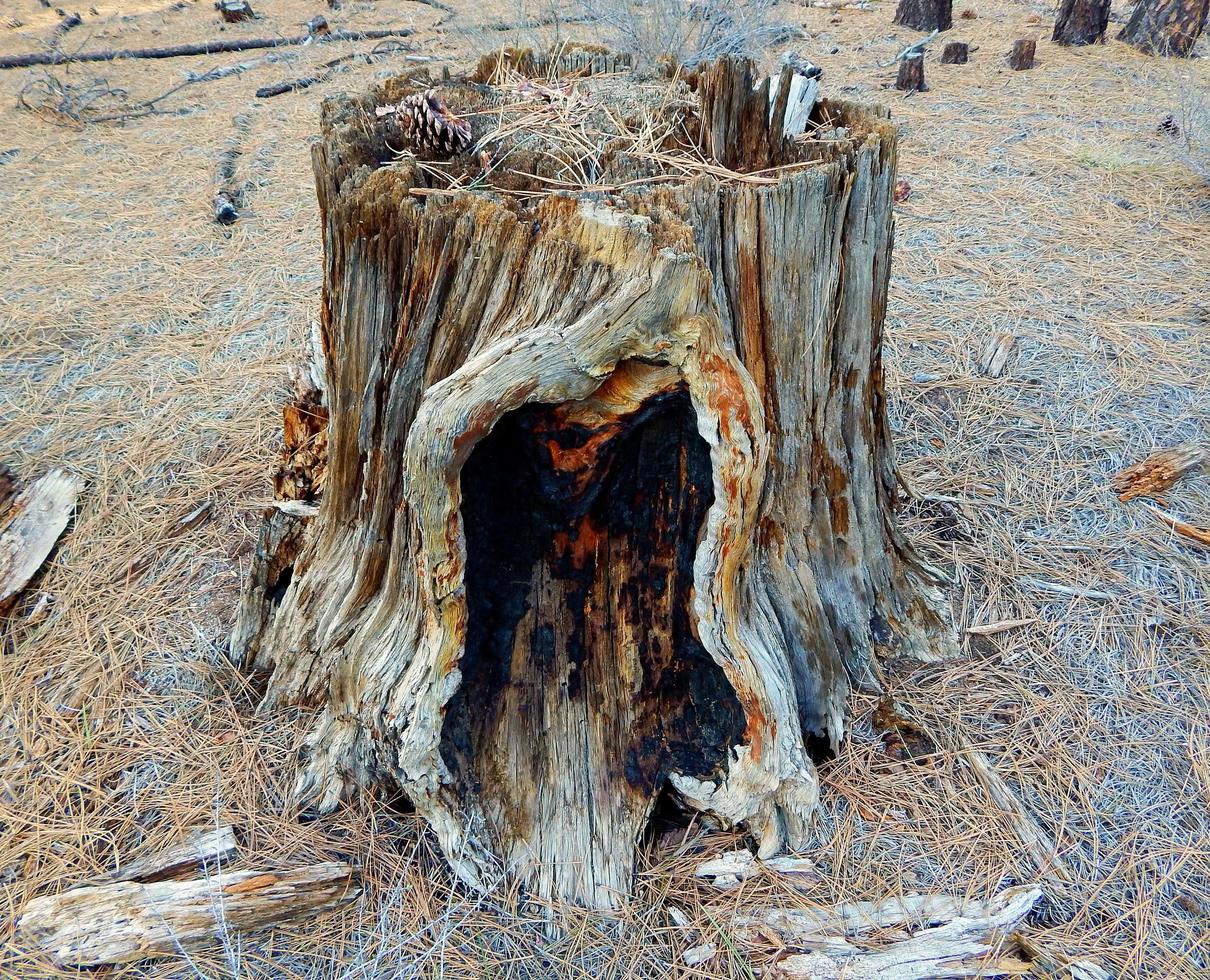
{"x":925,"y":15}
{"x":1166,"y":27}
{"x":955,"y":53}
{"x":1080,"y":22}
{"x":911,"y":75}
{"x":608,"y":505}
{"x":1021,"y":57}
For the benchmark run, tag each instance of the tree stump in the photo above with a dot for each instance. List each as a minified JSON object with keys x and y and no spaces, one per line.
{"x":1166,"y":27}
{"x":955,"y":53}
{"x":911,"y":74}
{"x":1081,"y":22}
{"x":1022,"y":55}
{"x":608,"y":508}
{"x":925,"y":15}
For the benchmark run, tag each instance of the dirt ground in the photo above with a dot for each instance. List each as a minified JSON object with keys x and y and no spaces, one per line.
{"x":144,"y":347}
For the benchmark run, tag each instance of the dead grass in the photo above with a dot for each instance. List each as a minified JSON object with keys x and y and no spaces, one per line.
{"x":144,"y":348}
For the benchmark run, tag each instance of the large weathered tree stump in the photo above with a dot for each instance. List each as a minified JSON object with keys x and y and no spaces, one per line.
{"x":1166,"y":27}
{"x":608,"y":508}
{"x":925,"y":15}
{"x":1081,"y":22}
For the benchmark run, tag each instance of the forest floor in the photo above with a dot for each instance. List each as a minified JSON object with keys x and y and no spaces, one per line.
{"x":144,"y":347}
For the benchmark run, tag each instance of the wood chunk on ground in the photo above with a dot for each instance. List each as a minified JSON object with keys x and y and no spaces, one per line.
{"x":1159,"y":471}
{"x":127,"y":921}
{"x":995,"y":356}
{"x":29,"y":528}
{"x":209,"y":846}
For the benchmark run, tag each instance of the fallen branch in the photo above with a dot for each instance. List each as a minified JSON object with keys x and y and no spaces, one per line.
{"x":956,"y":948}
{"x":188,"y":50}
{"x":913,"y":49}
{"x":229,"y":195}
{"x":29,"y":528}
{"x":306,"y":81}
{"x":127,"y":921}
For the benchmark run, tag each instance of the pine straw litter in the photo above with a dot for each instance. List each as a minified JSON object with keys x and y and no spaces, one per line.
{"x":145,"y":349}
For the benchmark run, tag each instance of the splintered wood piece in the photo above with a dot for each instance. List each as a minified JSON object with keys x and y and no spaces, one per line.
{"x":1166,"y":27}
{"x":29,"y":528}
{"x":955,"y":53}
{"x":1159,"y":471}
{"x":911,"y":74}
{"x":127,"y":921}
{"x":608,"y":506}
{"x":925,"y":15}
{"x":1081,"y":22}
{"x":958,"y":947}
{"x":1022,"y":55}
{"x":209,"y":846}
{"x":995,"y":356}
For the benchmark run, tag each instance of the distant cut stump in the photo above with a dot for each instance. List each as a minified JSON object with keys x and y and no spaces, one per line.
{"x":911,"y":74}
{"x":955,"y":53}
{"x":608,"y":508}
{"x":1021,"y":57}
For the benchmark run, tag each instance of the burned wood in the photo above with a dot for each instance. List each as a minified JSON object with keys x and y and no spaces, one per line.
{"x":925,"y":15}
{"x":29,"y":528}
{"x":911,"y":74}
{"x":955,"y":53}
{"x":188,"y":50}
{"x":124,"y":921}
{"x":1021,"y":57}
{"x":1080,"y":22}
{"x":1166,"y":27}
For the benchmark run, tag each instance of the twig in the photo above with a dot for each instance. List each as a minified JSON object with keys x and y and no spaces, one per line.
{"x":187,"y":50}
{"x":1197,"y":535}
{"x":1058,"y":589}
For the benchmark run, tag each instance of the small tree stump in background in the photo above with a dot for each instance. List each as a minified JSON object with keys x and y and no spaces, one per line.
{"x":955,"y":53}
{"x":1081,"y":22}
{"x":233,"y":11}
{"x":925,"y":15}
{"x":911,"y":74}
{"x":1022,"y":55}
{"x":608,"y":510}
{"x":1166,"y":27}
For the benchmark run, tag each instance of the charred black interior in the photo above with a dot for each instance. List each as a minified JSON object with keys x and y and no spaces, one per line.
{"x":579,"y":581}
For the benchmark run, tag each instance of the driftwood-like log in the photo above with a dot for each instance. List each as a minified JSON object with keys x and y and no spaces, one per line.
{"x":958,"y":947}
{"x":1022,"y":55}
{"x":1166,"y":27}
{"x":30,"y":524}
{"x":925,"y":15}
{"x":911,"y":75}
{"x":955,"y":53}
{"x":608,"y":512}
{"x":187,"y":50}
{"x":1081,"y":22}
{"x":127,"y":921}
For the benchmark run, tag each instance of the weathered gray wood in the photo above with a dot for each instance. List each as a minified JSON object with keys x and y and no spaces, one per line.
{"x":211,"y":847}
{"x":609,"y":497}
{"x":126,"y":921}
{"x":1166,"y":27}
{"x":29,"y":527}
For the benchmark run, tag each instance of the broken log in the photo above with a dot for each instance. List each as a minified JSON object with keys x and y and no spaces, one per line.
{"x":1160,"y":470}
{"x":1166,"y":27}
{"x":964,"y":945}
{"x":911,"y":74}
{"x":608,"y":513}
{"x":1022,"y":55}
{"x":955,"y":53}
{"x":188,"y":50}
{"x":125,"y":921}
{"x":1080,"y":22}
{"x":29,"y":527}
{"x":208,"y":847}
{"x":925,"y":15}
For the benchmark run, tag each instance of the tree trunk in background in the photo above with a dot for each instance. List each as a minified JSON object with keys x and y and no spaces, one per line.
{"x":1081,"y":22}
{"x":608,"y":510}
{"x":1166,"y":27}
{"x":925,"y":15}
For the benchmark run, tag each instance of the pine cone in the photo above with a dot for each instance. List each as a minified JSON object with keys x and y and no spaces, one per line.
{"x":431,"y":126}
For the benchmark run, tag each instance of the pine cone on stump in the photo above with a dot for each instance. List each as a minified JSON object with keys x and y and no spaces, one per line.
{"x":431,"y":126}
